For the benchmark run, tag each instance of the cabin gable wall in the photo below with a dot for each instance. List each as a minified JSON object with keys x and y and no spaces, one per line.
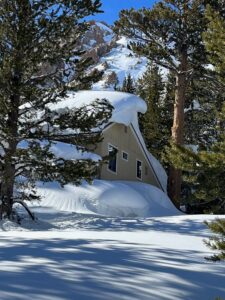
{"x":123,"y":139}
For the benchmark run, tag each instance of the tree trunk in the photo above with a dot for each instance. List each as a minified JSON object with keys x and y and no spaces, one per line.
{"x":9,"y":168}
{"x":8,"y":177}
{"x":175,"y":176}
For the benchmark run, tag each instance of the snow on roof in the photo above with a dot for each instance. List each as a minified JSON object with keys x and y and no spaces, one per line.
{"x":126,"y":106}
{"x":159,"y":170}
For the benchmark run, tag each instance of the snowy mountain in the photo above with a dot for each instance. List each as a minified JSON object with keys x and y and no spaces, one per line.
{"x":111,"y":54}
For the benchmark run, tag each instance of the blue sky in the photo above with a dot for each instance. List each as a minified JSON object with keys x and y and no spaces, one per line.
{"x":112,"y":8}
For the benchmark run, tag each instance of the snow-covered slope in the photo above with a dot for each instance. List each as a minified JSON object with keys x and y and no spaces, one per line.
{"x":108,"y":198}
{"x":120,"y":61}
{"x":111,"y":53}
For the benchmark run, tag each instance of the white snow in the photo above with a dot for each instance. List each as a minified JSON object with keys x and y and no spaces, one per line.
{"x":104,"y":27}
{"x":159,"y":170}
{"x":65,"y":151}
{"x":70,"y":152}
{"x":126,"y":106}
{"x":108,"y":198}
{"x":122,"y":61}
{"x":64,"y":256}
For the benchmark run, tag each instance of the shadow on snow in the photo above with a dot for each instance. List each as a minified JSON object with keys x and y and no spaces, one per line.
{"x":102,"y":269}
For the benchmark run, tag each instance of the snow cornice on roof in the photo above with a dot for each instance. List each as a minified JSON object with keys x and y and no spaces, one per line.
{"x":126,"y":106}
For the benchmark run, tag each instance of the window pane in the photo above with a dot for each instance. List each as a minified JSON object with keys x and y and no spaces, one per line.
{"x":139,"y":169}
{"x":113,"y":158}
{"x":125,"y":156}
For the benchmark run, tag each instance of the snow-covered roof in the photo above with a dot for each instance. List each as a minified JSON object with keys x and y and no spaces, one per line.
{"x":126,"y":106}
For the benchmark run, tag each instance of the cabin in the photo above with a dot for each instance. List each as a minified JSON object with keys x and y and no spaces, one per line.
{"x":122,"y":137}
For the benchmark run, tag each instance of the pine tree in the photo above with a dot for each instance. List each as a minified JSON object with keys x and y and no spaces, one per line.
{"x":39,"y":52}
{"x":156,"y":123}
{"x":214,"y":39}
{"x":217,"y":242}
{"x":206,"y":168}
{"x":170,"y":35}
{"x":128,"y":85}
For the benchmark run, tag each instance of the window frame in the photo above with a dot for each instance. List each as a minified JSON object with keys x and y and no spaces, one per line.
{"x":126,"y":154}
{"x":111,"y":171}
{"x":139,"y":178}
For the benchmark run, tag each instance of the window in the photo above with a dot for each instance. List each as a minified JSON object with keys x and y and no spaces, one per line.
{"x":139,"y":169}
{"x":125,"y":156}
{"x":112,"y":166}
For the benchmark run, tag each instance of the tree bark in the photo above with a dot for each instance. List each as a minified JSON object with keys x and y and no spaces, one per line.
{"x":8,"y":173}
{"x":175,"y":175}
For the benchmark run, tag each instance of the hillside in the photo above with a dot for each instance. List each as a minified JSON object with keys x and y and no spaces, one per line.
{"x":111,"y":54}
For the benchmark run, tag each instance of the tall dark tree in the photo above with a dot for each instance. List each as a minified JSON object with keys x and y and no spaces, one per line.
{"x":155,"y":124}
{"x":170,"y":35}
{"x":38,"y":53}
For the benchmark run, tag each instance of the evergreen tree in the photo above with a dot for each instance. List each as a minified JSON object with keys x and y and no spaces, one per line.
{"x":214,"y":39}
{"x":170,"y":35}
{"x":206,"y":168}
{"x":128,"y":85}
{"x":217,"y":241}
{"x":156,"y":123}
{"x":39,"y":52}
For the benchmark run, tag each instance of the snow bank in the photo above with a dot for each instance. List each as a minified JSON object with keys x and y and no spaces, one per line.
{"x":108,"y":198}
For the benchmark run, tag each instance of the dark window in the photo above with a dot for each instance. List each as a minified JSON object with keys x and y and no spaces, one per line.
{"x":139,"y":169}
{"x":113,"y":158}
{"x":125,"y":155}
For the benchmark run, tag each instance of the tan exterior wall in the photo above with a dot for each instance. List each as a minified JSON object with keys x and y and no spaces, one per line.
{"x":124,"y":139}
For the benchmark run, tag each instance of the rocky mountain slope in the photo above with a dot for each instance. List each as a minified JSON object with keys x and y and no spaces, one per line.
{"x":112,"y":55}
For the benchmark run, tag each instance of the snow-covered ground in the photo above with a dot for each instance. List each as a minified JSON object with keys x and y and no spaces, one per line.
{"x":65,"y":256}
{"x":102,"y":258}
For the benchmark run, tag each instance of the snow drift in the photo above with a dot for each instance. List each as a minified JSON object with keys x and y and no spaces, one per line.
{"x":108,"y":198}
